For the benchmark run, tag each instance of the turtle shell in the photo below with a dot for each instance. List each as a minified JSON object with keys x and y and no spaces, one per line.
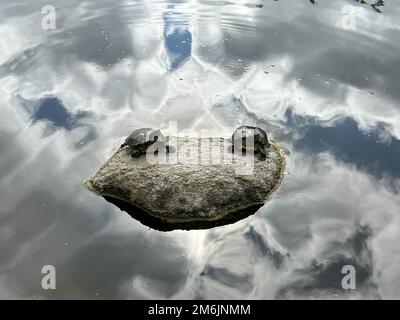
{"x":143,"y":138}
{"x":260,"y":137}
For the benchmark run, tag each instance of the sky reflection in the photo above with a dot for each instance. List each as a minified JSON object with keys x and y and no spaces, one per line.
{"x":327,"y":93}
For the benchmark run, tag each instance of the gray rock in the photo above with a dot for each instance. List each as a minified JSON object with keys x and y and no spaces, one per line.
{"x":201,"y":185}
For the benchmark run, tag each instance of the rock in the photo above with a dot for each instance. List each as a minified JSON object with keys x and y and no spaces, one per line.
{"x":201,"y":185}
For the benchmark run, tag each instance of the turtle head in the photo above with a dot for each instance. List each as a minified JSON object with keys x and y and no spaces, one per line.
{"x":248,"y":137}
{"x":155,"y":135}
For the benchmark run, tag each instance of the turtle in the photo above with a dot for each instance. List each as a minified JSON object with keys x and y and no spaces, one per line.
{"x":141,"y":139}
{"x":260,"y":139}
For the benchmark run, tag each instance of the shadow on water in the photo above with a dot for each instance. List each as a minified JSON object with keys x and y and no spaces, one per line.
{"x":161,"y":225}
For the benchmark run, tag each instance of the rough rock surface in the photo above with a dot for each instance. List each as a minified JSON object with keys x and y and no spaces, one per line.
{"x":199,"y":186}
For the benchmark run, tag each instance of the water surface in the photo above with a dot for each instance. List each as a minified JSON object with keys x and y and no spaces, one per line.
{"x":321,"y":79}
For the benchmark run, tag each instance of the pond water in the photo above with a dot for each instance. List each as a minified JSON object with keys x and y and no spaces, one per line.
{"x":323,"y":80}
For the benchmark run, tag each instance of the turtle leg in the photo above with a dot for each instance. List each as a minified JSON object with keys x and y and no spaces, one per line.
{"x":170,"y":149}
{"x":261,"y":154}
{"x":136,"y":153}
{"x":232,"y":149}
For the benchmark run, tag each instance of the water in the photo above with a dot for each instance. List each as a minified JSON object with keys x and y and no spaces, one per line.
{"x":321,"y":79}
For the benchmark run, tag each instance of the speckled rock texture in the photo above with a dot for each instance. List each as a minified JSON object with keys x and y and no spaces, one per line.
{"x":199,"y":183}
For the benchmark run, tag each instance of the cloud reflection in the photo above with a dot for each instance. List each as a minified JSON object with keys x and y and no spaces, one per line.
{"x":328,"y":94}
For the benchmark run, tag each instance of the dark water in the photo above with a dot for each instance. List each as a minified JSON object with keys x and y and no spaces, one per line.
{"x":322,"y":79}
